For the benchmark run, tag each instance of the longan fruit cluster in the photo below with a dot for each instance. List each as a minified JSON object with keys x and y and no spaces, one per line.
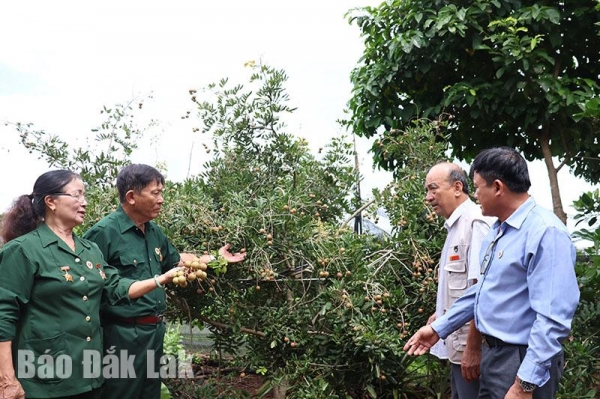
{"x":193,"y":270}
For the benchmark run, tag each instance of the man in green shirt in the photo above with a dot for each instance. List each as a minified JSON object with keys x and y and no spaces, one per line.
{"x":139,"y":249}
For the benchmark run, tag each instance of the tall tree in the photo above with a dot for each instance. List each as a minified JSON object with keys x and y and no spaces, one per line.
{"x":504,"y":72}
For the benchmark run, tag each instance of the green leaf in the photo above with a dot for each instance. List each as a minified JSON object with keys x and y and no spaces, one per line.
{"x":372,"y":391}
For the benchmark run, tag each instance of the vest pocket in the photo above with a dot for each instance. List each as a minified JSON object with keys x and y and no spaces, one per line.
{"x":456,"y":278}
{"x":458,"y":340}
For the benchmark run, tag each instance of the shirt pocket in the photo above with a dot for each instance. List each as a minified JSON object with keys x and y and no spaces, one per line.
{"x":40,"y":359}
{"x":132,"y":266}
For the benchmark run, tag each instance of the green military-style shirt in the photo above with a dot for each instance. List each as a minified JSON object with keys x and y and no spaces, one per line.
{"x":137,"y":256}
{"x":50,"y":301}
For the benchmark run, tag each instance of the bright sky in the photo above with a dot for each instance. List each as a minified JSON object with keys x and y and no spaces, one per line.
{"x":61,"y":61}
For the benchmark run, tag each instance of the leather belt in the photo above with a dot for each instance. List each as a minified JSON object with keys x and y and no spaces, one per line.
{"x":493,"y":342}
{"x":153,"y":319}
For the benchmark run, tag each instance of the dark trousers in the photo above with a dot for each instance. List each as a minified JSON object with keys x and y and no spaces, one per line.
{"x":499,"y":366}
{"x":136,"y":340}
{"x":461,"y":388}
{"x":93,"y":394}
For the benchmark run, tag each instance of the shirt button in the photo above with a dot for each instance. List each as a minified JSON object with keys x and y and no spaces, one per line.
{"x":87,"y":318}
{"x":88,"y":339}
{"x":85,"y":298}
{"x":81,"y":278}
{"x":77,"y":260}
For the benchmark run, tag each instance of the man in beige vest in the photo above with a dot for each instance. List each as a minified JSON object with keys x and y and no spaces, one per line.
{"x":447,"y":190}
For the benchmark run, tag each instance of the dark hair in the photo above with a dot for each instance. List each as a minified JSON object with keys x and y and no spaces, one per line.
{"x":28,"y":211}
{"x":135,"y":177}
{"x":504,"y":164}
{"x":458,"y":174}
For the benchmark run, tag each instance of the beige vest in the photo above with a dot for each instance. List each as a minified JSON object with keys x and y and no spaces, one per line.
{"x":455,"y":267}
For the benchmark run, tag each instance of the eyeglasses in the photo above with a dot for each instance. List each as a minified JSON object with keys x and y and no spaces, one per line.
{"x":78,"y":196}
{"x":489,"y":252}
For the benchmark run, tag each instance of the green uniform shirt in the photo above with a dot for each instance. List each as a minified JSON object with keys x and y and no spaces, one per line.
{"x":137,"y":256}
{"x":49,"y":305}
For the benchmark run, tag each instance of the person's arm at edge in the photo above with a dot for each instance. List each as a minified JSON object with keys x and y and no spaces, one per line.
{"x":10,"y":386}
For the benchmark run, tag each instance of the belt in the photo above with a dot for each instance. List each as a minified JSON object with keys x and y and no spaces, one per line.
{"x":154,"y":319}
{"x":495,"y":342}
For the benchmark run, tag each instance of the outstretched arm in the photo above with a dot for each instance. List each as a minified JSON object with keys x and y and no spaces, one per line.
{"x":142,"y":287}
{"x":422,"y":341}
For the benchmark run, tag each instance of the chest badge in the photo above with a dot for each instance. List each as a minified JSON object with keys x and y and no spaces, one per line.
{"x":160,"y":257}
{"x":102,"y":274}
{"x":89,"y":265}
{"x":68,"y":277}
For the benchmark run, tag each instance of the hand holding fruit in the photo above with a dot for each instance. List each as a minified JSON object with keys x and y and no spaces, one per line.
{"x":194,"y":267}
{"x":192,"y":270}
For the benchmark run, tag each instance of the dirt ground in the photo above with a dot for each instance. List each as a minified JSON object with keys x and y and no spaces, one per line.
{"x":214,"y":380}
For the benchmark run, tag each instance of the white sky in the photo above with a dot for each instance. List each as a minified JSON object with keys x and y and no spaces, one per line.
{"x":61,"y":61}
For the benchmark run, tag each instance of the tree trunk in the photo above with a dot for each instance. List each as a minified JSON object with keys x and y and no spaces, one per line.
{"x":553,"y":176}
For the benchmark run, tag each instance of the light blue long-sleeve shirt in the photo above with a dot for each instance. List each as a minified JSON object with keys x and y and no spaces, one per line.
{"x":528,"y":293}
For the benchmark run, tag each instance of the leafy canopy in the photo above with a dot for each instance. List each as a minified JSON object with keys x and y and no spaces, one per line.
{"x":508,"y":72}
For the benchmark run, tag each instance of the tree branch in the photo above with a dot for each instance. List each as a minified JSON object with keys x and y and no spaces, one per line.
{"x":359,"y":210}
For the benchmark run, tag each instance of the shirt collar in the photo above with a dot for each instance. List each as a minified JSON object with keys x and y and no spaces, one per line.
{"x":462,"y":208}
{"x":124,"y":221}
{"x":517,"y":218}
{"x":47,"y":237}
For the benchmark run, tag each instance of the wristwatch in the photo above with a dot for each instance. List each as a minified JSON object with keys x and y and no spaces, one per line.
{"x":527,"y":387}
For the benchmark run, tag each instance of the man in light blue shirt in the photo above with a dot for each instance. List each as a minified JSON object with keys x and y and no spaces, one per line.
{"x":525,"y":298}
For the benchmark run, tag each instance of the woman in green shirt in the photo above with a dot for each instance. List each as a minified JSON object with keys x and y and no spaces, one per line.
{"x":51,"y":285}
